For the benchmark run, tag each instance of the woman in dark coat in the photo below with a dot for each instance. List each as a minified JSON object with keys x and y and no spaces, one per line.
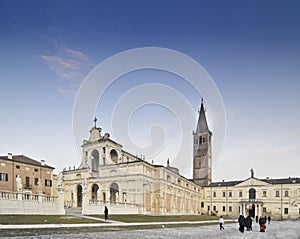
{"x":105,"y":212}
{"x":241,"y":223}
{"x":249,"y":223}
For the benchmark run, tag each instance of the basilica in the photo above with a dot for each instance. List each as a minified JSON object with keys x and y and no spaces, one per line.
{"x":110,"y":176}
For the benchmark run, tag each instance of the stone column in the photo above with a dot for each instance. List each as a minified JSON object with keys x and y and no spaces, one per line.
{"x":61,"y":208}
{"x":85,"y":201}
{"x":244,"y":209}
{"x":19,"y":196}
{"x":85,"y":197}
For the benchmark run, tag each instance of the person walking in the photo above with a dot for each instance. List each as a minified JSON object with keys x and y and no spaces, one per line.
{"x":242,"y":223}
{"x":221,"y":221}
{"x":248,"y":222}
{"x":105,"y":213}
{"x":269,"y":219}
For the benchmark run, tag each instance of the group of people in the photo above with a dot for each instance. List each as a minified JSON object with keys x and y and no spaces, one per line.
{"x":247,"y":222}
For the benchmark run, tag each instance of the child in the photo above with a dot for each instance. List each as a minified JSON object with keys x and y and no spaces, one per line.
{"x":262,"y":224}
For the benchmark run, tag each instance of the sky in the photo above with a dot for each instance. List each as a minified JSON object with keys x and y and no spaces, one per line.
{"x":251,"y":50}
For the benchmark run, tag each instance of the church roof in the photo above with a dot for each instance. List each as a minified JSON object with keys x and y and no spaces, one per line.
{"x":271,"y":181}
{"x":224,"y":183}
{"x":26,"y":160}
{"x":281,"y":180}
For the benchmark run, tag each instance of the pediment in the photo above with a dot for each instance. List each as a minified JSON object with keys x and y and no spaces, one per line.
{"x":252,"y":182}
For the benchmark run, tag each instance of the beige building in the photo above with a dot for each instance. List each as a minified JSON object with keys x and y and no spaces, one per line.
{"x":110,"y":176}
{"x":279,"y":198}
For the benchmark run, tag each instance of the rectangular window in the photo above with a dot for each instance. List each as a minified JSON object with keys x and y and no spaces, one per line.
{"x":286,"y":211}
{"x":240,"y":194}
{"x":36,"y":181}
{"x":230,"y":208}
{"x":277,"y":193}
{"x":27,"y":182}
{"x":202,"y":204}
{"x":224,"y":194}
{"x":17,"y":166}
{"x":4,"y":177}
{"x":286,"y":193}
{"x":230,"y":194}
{"x":36,"y":170}
{"x":48,"y":183}
{"x":264,"y":193}
{"x":264,"y":210}
{"x":214,"y":208}
{"x":224,"y":208}
{"x":208,"y":208}
{"x":214,"y":194}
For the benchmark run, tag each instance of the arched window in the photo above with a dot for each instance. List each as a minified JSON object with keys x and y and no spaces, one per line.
{"x":95,"y":160}
{"x":252,"y":193}
{"x":114,"y":155}
{"x":95,"y":188}
{"x":114,"y":193}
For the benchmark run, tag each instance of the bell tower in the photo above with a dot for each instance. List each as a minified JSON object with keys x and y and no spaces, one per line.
{"x":202,"y":163}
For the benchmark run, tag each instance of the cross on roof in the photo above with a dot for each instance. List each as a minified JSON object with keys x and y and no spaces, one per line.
{"x":95,"y":120}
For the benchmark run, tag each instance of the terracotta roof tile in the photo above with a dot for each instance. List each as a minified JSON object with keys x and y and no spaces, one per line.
{"x":26,"y":160}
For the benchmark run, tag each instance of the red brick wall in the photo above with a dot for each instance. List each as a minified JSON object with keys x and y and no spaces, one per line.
{"x":25,"y":170}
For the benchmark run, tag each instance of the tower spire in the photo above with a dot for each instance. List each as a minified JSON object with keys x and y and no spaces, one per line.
{"x":202,"y":163}
{"x":202,"y":125}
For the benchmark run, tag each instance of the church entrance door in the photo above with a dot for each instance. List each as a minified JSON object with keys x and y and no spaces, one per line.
{"x":114,"y":193}
{"x":252,"y":210}
{"x":79,"y":196}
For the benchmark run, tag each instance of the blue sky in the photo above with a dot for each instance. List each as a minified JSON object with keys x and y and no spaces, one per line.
{"x":250,"y":48}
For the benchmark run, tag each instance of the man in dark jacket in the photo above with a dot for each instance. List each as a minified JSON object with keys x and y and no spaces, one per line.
{"x":105,"y":212}
{"x":241,"y":223}
{"x":249,"y":223}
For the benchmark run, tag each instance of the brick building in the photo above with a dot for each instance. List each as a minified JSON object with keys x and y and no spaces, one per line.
{"x":36,"y":177}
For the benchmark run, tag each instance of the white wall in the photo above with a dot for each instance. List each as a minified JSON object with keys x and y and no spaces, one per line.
{"x":8,"y":206}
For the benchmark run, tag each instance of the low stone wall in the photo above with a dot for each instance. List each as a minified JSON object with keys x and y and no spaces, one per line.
{"x":24,"y":203}
{"x":97,"y":207}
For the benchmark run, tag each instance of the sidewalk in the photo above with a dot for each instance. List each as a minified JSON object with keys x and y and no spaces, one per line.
{"x":108,"y":223}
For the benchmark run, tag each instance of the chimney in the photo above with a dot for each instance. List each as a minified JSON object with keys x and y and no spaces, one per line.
{"x":10,"y":156}
{"x":42,"y":162}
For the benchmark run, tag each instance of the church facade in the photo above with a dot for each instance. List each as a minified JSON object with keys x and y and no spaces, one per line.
{"x":110,"y":176}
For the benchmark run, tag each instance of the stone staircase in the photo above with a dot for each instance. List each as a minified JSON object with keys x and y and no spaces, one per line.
{"x":73,"y":211}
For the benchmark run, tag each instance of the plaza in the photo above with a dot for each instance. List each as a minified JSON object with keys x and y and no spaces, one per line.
{"x":275,"y":230}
